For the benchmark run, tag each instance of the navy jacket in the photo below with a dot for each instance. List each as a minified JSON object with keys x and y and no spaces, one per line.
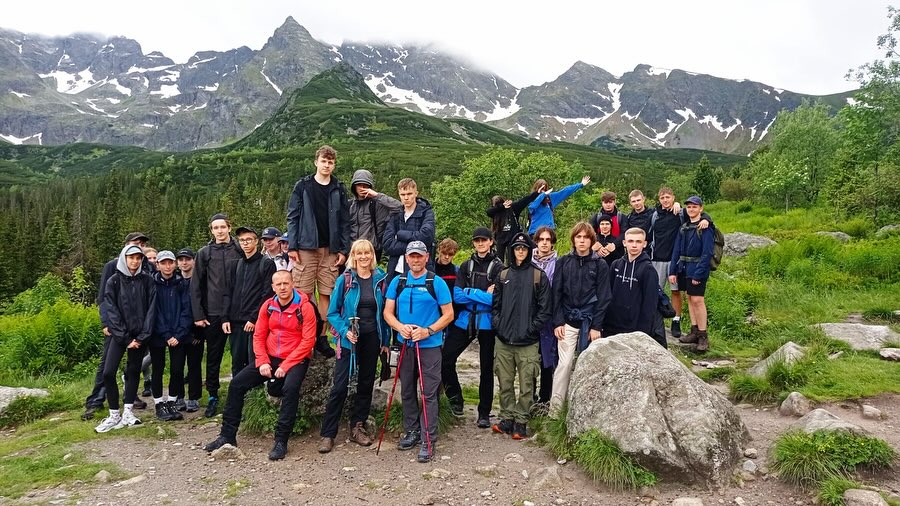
{"x":173,"y":309}
{"x":399,"y":233}
{"x":301,"y":219}
{"x":692,"y":252}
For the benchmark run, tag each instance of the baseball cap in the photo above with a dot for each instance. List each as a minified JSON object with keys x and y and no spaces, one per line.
{"x":133,"y":250}
{"x":482,"y":233}
{"x":693,"y":199}
{"x":244,"y":230}
{"x":185,"y":252}
{"x":284,"y":237}
{"x":521,"y":239}
{"x":136,"y":236}
{"x":416,"y":247}
{"x":270,"y":233}
{"x":165,"y":255}
{"x":218,"y":216}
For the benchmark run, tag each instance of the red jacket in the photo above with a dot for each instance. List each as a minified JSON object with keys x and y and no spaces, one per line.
{"x":279,"y":334}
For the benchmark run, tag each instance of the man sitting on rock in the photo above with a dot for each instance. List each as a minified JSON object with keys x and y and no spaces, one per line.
{"x":283,"y":343}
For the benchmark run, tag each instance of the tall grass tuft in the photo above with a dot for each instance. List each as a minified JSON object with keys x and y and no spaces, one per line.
{"x":810,"y":459}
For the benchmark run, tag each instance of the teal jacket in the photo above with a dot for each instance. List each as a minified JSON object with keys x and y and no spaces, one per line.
{"x":341,"y":309}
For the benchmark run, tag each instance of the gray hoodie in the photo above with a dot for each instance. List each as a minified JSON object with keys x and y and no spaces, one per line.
{"x":368,"y":217}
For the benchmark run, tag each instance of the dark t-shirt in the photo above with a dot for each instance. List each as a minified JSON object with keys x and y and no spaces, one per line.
{"x":367,"y":306}
{"x":318,"y":194}
{"x":447,"y":272}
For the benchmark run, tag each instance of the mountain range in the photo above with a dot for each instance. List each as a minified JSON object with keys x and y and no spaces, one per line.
{"x":81,"y":88}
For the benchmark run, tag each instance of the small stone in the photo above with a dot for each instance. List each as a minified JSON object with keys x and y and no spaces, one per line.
{"x":869,"y":412}
{"x":547,"y":477}
{"x":646,"y":491}
{"x":525,"y":473}
{"x":300,"y":486}
{"x":514,"y":457}
{"x":749,"y":466}
{"x":747,"y":476}
{"x":131,"y":481}
{"x":102,"y":476}
{"x":527,"y":503}
{"x":687,"y":501}
{"x":836,"y":355}
{"x":740,"y":501}
{"x":348,"y":469}
{"x":857,"y":497}
{"x":751,"y":453}
{"x":487,"y":471}
{"x":427,"y":500}
{"x":437,"y":473}
{"x":67,"y":456}
{"x":228,"y":451}
{"x":486,"y":493}
{"x":160,"y":431}
{"x":796,"y":404}
{"x":890,"y":354}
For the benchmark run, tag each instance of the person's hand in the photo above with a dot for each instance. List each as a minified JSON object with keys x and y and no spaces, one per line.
{"x":673,"y":280}
{"x":507,"y":203}
{"x":226,"y":327}
{"x":369,"y":193}
{"x":676,"y":208}
{"x":704,"y":224}
{"x":560,"y":332}
{"x":279,"y":373}
{"x":695,"y":282}
{"x":351,"y":336}
{"x":265,"y":371}
{"x":585,"y":180}
{"x":202,"y":323}
{"x":603,"y":252}
{"x":610,"y":247}
{"x":406,"y":331}
{"x":134,"y":344}
{"x":249,"y":327}
{"x":106,"y":331}
{"x":596,"y":247}
{"x":172,"y":342}
{"x":595,"y":334}
{"x":490,"y":289}
{"x":385,"y":349}
{"x":420,"y":333}
{"x":548,"y":192}
{"x":541,"y":189}
{"x":294,"y":255}
{"x":341,"y":258}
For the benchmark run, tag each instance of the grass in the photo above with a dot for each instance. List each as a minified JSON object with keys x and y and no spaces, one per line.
{"x":446,"y":420}
{"x":261,"y":416}
{"x":811,"y":459}
{"x":233,"y":488}
{"x":831,"y":490}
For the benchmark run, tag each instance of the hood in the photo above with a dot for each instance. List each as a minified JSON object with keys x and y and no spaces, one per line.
{"x":121,"y":266}
{"x":486,"y":259}
{"x":362,"y":176}
{"x":158,"y":277}
{"x":631,"y":267}
{"x":422,"y":205}
{"x":526,"y":263}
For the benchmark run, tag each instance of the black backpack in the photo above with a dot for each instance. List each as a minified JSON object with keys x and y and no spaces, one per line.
{"x":401,"y":285}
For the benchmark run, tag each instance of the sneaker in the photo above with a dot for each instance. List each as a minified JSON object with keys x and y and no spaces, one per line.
{"x":676,"y":328}
{"x":409,"y":440}
{"x":173,"y":412}
{"x":519,"y":431}
{"x":109,"y":423}
{"x":484,"y":422}
{"x":326,"y":445}
{"x":359,"y":435}
{"x":147,"y":392}
{"x":162,"y":413}
{"x":180,"y":405}
{"x":129,"y":420}
{"x":278,"y":451}
{"x":139,"y":404}
{"x":218,"y":443}
{"x":191,"y":405}
{"x":503,"y":427}
{"x":456,"y":405}
{"x":425,"y":454}
{"x":211,"y":407}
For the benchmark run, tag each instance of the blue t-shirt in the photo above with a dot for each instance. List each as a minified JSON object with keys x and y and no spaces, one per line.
{"x":425,"y":310}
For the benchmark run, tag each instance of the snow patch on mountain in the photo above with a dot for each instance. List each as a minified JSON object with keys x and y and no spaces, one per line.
{"x":71,"y":84}
{"x":20,"y":95}
{"x":92,"y":105}
{"x":138,"y":70}
{"x":501,"y":112}
{"x":198,"y":62}
{"x":385,"y":89}
{"x":654,"y":71}
{"x":714,"y":122}
{"x":263,"y":72}
{"x":121,"y":89}
{"x":22,"y":140}
{"x":167,"y":91}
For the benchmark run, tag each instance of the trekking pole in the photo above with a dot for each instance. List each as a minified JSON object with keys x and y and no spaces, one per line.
{"x":354,"y":366}
{"x":422,"y":384}
{"x":387,"y":412}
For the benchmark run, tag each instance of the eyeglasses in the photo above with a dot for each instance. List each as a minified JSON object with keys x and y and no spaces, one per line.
{"x":247,"y":240}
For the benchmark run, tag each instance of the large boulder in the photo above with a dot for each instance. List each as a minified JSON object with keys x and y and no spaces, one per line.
{"x":859,"y":335}
{"x":9,"y":394}
{"x":890,"y":354}
{"x":887,"y":230}
{"x":659,"y":413}
{"x":840,"y":236}
{"x":820,"y":419}
{"x":738,"y":243}
{"x":789,"y":353}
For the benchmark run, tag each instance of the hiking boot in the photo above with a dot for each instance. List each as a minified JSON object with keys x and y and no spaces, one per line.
{"x":129,"y":420}
{"x":676,"y":328}
{"x":278,"y":451}
{"x":503,"y":427}
{"x":425,"y":454}
{"x":359,"y":436}
{"x":211,"y":407}
{"x":520,"y":431}
{"x":218,"y":443}
{"x":691,"y":337}
{"x":484,"y":422}
{"x":180,"y":405}
{"x":162,"y":413}
{"x":409,"y":440}
{"x":324,"y":348}
{"x":109,"y":423}
{"x":326,"y":445}
{"x":89,"y":412}
{"x":702,"y":341}
{"x":173,"y":411}
{"x":147,"y":392}
{"x":191,"y":405}
{"x":139,"y":404}
{"x":456,"y":405}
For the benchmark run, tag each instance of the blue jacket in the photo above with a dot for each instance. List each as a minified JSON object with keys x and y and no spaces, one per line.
{"x":341,"y":309}
{"x":173,"y":309}
{"x":692,"y":252}
{"x":470,"y":291}
{"x":542,"y":214}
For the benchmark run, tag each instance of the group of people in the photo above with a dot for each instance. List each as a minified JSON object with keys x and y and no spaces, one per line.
{"x":530,"y":310}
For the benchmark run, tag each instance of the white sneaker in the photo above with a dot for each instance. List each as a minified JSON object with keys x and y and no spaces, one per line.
{"x":128,"y":420}
{"x":109,"y":423}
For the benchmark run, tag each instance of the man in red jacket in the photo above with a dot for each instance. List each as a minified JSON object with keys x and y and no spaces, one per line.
{"x":283,"y":344}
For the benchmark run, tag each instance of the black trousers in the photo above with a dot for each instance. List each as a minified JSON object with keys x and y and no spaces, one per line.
{"x":194,"y":358}
{"x":176,"y":369}
{"x":250,"y":378}
{"x":114,"y":354}
{"x":215,"y":349}
{"x":241,"y":347}
{"x":367,"y":350}
{"x":457,"y":341}
{"x":98,"y":395}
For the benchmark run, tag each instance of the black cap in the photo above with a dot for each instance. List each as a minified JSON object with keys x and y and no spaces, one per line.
{"x":605,"y":217}
{"x":185,"y":252}
{"x":271,"y":233}
{"x":136,"y":236}
{"x":483,"y":233}
{"x":521,"y":239}
{"x":218,"y":216}
{"x":244,"y":230}
{"x":693,"y":199}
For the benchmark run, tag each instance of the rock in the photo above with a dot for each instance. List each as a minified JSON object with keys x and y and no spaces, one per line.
{"x":527,"y":503}
{"x":738,"y":243}
{"x":9,"y":394}
{"x":887,"y":230}
{"x":890,"y":354}
{"x":131,"y":481}
{"x":437,"y":473}
{"x":687,"y":501}
{"x":427,"y":500}
{"x":658,"y":412}
{"x":796,"y":404}
{"x":836,"y":355}
{"x":747,"y":476}
{"x":789,"y":353}
{"x":871,"y":412}
{"x":749,"y":466}
{"x":740,"y":501}
{"x":820,"y":419}
{"x":514,"y":458}
{"x":486,"y":493}
{"x":487,"y":471}
{"x":859,"y":335}
{"x":857,"y":497}
{"x":102,"y":476}
{"x":751,"y":453}
{"x":228,"y":452}
{"x":547,"y":477}
{"x":840,"y":236}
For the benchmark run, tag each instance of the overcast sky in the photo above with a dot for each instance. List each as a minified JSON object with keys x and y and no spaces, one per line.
{"x":805,"y":46}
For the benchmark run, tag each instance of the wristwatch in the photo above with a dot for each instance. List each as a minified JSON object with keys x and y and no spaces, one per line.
{"x":430,"y":330}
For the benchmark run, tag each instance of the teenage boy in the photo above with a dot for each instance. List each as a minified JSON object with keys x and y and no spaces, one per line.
{"x":544,"y":257}
{"x":473,"y":295}
{"x":444,"y":266}
{"x":129,"y":301}
{"x":415,"y":222}
{"x":608,"y":207}
{"x":252,"y":285}
{"x":283,"y":243}
{"x":194,"y":344}
{"x":171,"y":330}
{"x":521,"y":307}
{"x":419,"y":314}
{"x":580,"y":294}
{"x":319,"y":231}
{"x":608,"y":246}
{"x":210,"y":287}
{"x":540,"y":210}
{"x":640,"y":215}
{"x":283,"y":343}
{"x":369,"y":210}
{"x":689,"y":268}
{"x":271,"y":239}
{"x":634,"y":289}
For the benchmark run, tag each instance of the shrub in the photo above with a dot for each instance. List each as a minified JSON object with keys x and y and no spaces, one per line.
{"x":716,"y":374}
{"x":261,"y":416}
{"x":810,"y":459}
{"x":48,"y":290}
{"x":856,"y":227}
{"x":28,"y":409}
{"x":604,"y":462}
{"x":831,"y":491}
{"x":748,"y":388}
{"x":446,"y":420}
{"x":881,"y":314}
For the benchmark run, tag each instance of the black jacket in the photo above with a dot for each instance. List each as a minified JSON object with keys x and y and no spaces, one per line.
{"x":615,"y":255}
{"x":212,"y":280}
{"x":661,"y":238}
{"x":301,"y":220}
{"x":130,"y":302}
{"x":505,"y":222}
{"x":173,"y":309}
{"x":640,"y":220}
{"x":635,"y":291}
{"x":576,"y":281}
{"x":108,"y":270}
{"x":399,"y":233}
{"x":252,"y":286}
{"x":521,"y":308}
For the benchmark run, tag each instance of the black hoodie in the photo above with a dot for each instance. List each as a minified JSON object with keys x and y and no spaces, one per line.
{"x":505,"y":221}
{"x":252,"y":286}
{"x":635,"y":290}
{"x":212,"y":279}
{"x":521,"y":308}
{"x":578,"y":280}
{"x":130,"y":303}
